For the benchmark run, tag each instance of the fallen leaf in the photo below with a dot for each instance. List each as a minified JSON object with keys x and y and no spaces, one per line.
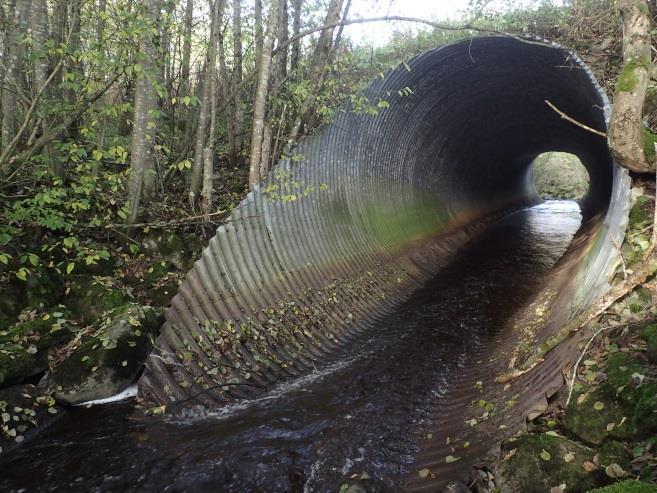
{"x":423,"y":473}
{"x":545,"y":455}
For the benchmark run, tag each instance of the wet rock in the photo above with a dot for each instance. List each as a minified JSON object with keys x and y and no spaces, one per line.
{"x":110,"y":359}
{"x":629,"y":486}
{"x":24,"y":410}
{"x":538,"y":463}
{"x":90,"y":297}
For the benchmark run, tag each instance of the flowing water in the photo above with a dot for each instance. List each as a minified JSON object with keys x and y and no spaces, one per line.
{"x":361,"y":413}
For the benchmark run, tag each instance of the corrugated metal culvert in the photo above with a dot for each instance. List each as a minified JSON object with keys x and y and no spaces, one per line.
{"x":370,"y":207}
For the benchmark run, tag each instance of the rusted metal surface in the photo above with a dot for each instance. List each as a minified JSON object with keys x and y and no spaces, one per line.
{"x":369,"y":208}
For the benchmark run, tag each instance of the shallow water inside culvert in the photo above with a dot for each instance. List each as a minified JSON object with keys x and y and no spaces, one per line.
{"x":361,"y":413}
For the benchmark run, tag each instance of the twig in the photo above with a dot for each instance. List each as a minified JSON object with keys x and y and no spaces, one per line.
{"x":575,"y":122}
{"x":186,"y":220}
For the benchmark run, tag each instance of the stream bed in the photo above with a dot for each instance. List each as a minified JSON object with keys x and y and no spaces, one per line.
{"x":362,"y":412}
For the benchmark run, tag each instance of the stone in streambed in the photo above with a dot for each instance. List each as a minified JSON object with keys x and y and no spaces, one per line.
{"x":109,"y":359}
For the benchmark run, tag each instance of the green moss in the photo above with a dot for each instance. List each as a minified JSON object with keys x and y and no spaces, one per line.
{"x":629,"y":486}
{"x":619,"y":368}
{"x":614,"y":452}
{"x":638,"y":213}
{"x":590,"y":424}
{"x":543,"y":461}
{"x":627,"y":79}
{"x":649,"y":334}
{"x":649,"y":142}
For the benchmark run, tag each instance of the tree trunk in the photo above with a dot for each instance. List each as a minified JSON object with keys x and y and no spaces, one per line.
{"x":260,"y":99}
{"x":238,"y":114}
{"x":186,"y":50}
{"x":626,"y":132}
{"x":316,"y":74}
{"x":296,"y":29}
{"x":39,"y":22}
{"x":338,"y":36}
{"x":258,"y":27}
{"x":208,"y":151}
{"x":14,"y":75}
{"x":210,"y":75}
{"x":143,"y":131}
{"x":266,"y":150}
{"x":283,"y":35}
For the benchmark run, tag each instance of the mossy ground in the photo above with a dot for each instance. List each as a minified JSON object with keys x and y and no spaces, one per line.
{"x":629,"y":486}
{"x":613,"y":408}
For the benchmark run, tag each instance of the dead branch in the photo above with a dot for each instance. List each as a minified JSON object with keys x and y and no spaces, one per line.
{"x":575,"y":122}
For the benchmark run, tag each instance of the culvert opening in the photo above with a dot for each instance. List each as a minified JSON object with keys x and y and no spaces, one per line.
{"x":559,"y":176}
{"x":287,"y":283}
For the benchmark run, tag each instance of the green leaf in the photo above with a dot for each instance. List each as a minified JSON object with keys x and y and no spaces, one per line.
{"x":70,"y":267}
{"x":22,"y":274}
{"x":545,"y":455}
{"x":4,"y":258}
{"x":450,"y":459}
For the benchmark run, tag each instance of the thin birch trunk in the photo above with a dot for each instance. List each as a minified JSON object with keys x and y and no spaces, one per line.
{"x":260,"y":99}
{"x":208,"y":151}
{"x":204,"y":110}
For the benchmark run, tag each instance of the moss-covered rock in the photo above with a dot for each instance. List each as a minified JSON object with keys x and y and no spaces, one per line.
{"x":89,"y":297}
{"x":594,"y":417}
{"x":179,"y":251}
{"x":110,"y":359}
{"x":629,"y":486}
{"x":162,"y":281}
{"x":536,"y":463}
{"x":24,"y":346}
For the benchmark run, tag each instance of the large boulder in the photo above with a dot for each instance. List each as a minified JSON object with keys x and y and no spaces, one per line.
{"x":109,"y":359}
{"x":91,"y":297}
